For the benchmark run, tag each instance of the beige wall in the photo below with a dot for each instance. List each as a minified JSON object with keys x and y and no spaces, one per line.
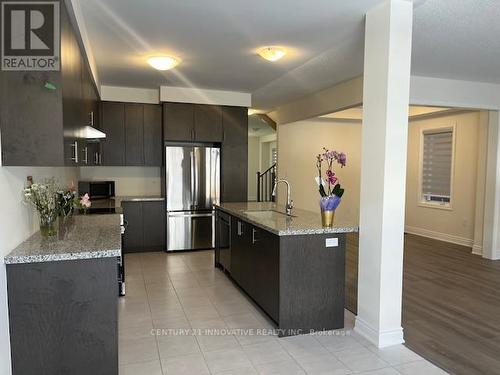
{"x":128,"y":180}
{"x":457,"y":224}
{"x":299,"y":142}
{"x":298,"y":145}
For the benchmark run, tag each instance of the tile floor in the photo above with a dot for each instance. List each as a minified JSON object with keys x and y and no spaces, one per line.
{"x":181,"y":316}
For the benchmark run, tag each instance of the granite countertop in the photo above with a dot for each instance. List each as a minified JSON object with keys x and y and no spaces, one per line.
{"x":275,"y":220}
{"x":80,"y":237}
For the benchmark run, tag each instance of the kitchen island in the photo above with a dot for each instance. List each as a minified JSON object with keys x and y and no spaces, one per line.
{"x":291,"y":266}
{"x":62,"y":295}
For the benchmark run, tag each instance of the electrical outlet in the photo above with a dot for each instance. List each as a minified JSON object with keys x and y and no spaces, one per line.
{"x":332,"y":242}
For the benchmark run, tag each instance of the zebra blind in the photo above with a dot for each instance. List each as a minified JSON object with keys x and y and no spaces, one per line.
{"x":436,"y":166}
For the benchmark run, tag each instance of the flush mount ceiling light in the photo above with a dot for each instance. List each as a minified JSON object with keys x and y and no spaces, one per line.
{"x":272,"y":53}
{"x":163,"y":62}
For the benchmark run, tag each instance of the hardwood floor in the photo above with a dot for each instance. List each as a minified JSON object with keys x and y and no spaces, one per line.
{"x":451,"y":304}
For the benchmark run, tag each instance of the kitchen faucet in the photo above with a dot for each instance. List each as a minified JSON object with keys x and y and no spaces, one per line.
{"x":289,"y":201}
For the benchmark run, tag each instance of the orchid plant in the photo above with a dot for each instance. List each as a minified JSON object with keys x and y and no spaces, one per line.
{"x":329,"y":187}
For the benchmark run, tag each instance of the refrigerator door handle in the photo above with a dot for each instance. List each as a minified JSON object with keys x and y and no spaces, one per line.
{"x":193,"y":183}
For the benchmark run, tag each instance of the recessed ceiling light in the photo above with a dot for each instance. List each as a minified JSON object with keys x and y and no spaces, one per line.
{"x":163,"y":62}
{"x":271,"y":53}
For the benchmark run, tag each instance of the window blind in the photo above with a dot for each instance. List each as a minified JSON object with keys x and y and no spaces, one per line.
{"x":436,"y":166}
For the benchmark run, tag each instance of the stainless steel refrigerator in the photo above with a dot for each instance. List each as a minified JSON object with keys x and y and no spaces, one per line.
{"x":192,"y":186}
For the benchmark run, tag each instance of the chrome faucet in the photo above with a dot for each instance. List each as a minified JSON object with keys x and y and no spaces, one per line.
{"x":289,"y":201}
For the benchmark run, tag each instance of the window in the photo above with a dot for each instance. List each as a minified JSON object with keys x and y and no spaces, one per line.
{"x":437,"y":165}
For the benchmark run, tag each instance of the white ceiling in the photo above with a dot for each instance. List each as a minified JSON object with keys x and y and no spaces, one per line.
{"x":217,"y":40}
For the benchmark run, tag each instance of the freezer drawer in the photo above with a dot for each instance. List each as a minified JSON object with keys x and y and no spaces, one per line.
{"x":190,"y":231}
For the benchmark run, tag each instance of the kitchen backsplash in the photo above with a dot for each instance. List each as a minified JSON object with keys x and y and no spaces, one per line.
{"x":129,"y":181}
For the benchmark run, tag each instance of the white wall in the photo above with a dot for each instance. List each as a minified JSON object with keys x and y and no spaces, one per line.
{"x":299,"y":142}
{"x":17,"y":222}
{"x":128,"y":180}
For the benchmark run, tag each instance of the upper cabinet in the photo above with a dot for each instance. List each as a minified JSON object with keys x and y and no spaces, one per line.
{"x":153,"y":140}
{"x":133,"y":134}
{"x":234,"y":154}
{"x":207,"y":123}
{"x":192,"y":122}
{"x":113,"y":124}
{"x":42,"y":126}
{"x":178,"y":121}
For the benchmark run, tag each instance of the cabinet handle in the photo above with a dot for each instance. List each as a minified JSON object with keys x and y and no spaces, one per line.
{"x":91,"y":114}
{"x":86,"y":155}
{"x":96,"y":158}
{"x":253,"y":236}
{"x":75,"y":152}
{"x":240,"y":228}
{"x":100,"y":158}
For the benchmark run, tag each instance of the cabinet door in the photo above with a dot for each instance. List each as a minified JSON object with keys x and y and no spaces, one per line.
{"x":265,"y":263}
{"x":153,"y":223}
{"x":207,"y":123}
{"x":113,"y":124}
{"x":178,"y":121}
{"x":234,"y":154}
{"x":237,"y":249}
{"x":134,"y":131}
{"x":153,"y":140}
{"x":133,"y":236}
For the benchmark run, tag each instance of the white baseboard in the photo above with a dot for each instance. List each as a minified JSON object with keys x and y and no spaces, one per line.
{"x":477,"y":249}
{"x":379,"y":339}
{"x":440,"y":236}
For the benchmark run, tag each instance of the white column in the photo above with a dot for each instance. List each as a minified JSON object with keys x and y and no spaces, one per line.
{"x":491,"y":238}
{"x":386,"y":89}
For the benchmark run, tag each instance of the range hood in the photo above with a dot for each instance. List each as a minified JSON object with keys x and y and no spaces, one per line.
{"x":89,"y":132}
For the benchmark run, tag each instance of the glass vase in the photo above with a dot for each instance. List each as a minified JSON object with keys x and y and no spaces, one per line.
{"x":48,"y":224}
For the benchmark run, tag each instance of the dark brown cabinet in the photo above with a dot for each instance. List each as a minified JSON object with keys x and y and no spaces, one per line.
{"x":234,"y":154}
{"x":188,"y":122}
{"x":113,"y":124}
{"x":178,"y":121}
{"x":255,"y":264}
{"x":207,"y":123}
{"x":133,"y":134}
{"x":145,"y":226}
{"x":298,"y":280}
{"x":153,"y":140}
{"x":42,"y":126}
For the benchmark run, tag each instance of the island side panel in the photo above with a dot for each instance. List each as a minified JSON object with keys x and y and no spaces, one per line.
{"x":312,"y":283}
{"x":63,"y":317}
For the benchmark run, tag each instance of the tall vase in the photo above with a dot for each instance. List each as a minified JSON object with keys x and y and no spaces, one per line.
{"x":328,"y":205}
{"x":48,"y":224}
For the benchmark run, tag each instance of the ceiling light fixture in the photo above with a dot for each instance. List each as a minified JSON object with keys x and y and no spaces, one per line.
{"x":163,"y":62}
{"x":271,"y":53}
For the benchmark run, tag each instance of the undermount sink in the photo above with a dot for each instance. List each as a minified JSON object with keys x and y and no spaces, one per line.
{"x":265,"y":214}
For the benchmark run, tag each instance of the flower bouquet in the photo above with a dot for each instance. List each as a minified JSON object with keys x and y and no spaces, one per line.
{"x":44,"y":198}
{"x":329,"y":188}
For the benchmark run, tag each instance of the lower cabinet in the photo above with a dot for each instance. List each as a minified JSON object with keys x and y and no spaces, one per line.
{"x":255,"y":264}
{"x":223,"y":240}
{"x":145,"y":229}
{"x":298,"y":280}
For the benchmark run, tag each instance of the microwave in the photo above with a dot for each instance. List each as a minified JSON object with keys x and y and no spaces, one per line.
{"x":97,"y":189}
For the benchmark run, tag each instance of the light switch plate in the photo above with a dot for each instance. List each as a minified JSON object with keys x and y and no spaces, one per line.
{"x":332,"y":242}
